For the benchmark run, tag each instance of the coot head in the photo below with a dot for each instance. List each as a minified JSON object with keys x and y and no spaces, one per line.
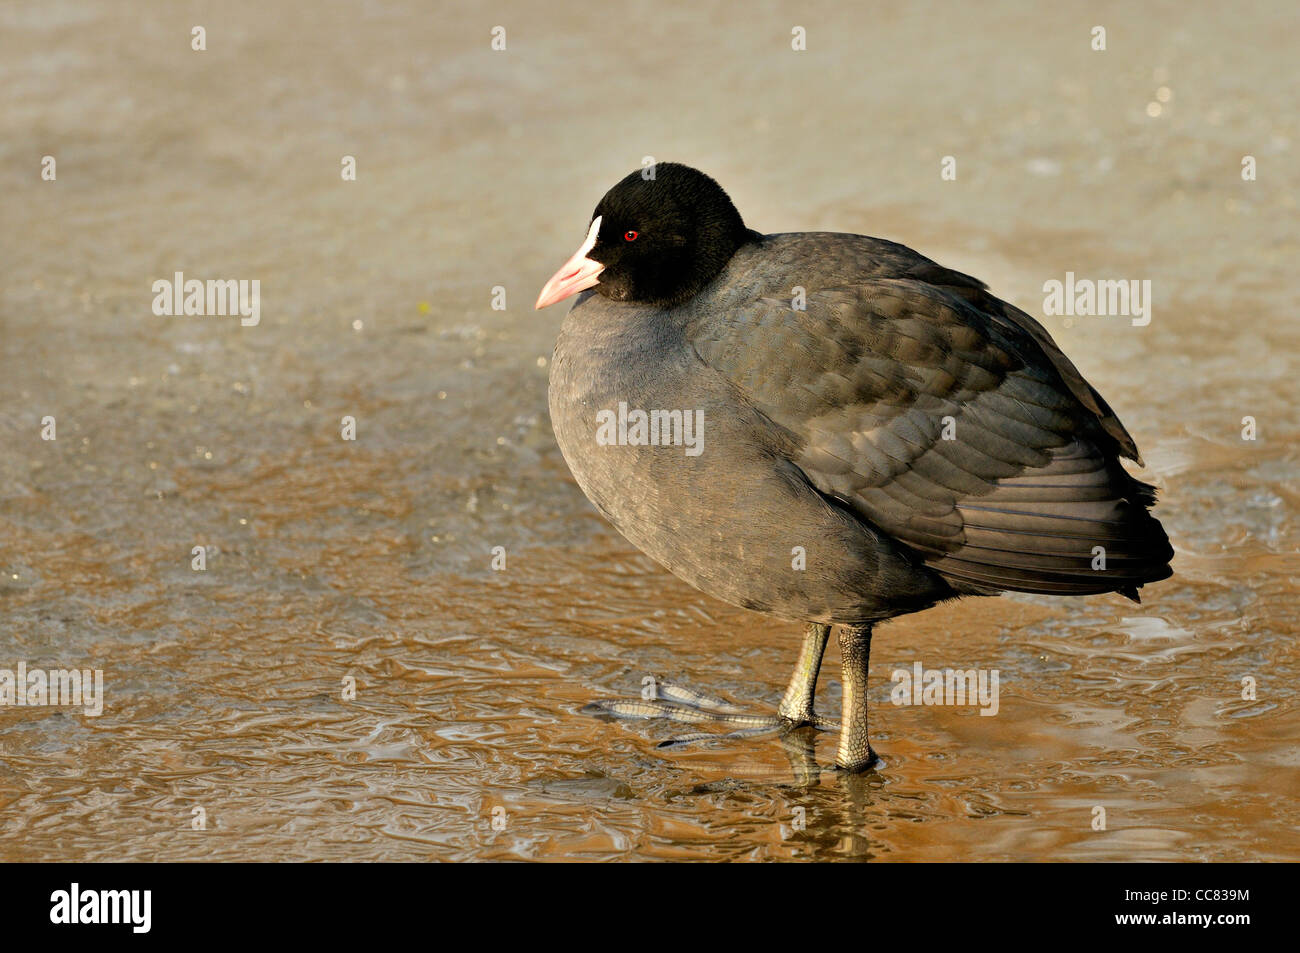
{"x":654,"y":241}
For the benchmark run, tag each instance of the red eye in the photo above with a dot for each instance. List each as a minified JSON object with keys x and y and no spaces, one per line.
{"x":629,"y":236}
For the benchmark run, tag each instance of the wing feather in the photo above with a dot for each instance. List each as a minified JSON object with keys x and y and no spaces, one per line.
{"x":952,"y":422}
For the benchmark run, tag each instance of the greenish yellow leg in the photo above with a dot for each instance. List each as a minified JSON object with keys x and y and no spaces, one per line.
{"x":855,"y":752}
{"x":797,"y":705}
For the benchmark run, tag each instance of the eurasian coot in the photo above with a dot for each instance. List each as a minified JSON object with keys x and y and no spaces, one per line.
{"x":829,"y":428}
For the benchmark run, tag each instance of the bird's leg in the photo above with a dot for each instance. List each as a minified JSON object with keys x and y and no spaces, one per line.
{"x":681,"y":704}
{"x":797,"y":705}
{"x":855,"y":752}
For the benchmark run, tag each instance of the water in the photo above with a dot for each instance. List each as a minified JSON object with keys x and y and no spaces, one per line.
{"x":371,"y":559}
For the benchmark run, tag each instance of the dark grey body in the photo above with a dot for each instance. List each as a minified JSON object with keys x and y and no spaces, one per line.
{"x":821,"y":431}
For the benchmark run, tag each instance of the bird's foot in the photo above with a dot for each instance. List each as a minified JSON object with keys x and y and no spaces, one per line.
{"x":858,"y":762}
{"x":687,"y":706}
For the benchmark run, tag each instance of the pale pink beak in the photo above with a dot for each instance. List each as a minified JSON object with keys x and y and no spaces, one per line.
{"x":577,"y":274}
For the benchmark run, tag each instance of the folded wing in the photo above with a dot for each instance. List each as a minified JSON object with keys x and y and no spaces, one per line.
{"x":952,"y":422}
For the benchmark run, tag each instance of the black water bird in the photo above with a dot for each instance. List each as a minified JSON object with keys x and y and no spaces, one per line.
{"x":873,"y":432}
